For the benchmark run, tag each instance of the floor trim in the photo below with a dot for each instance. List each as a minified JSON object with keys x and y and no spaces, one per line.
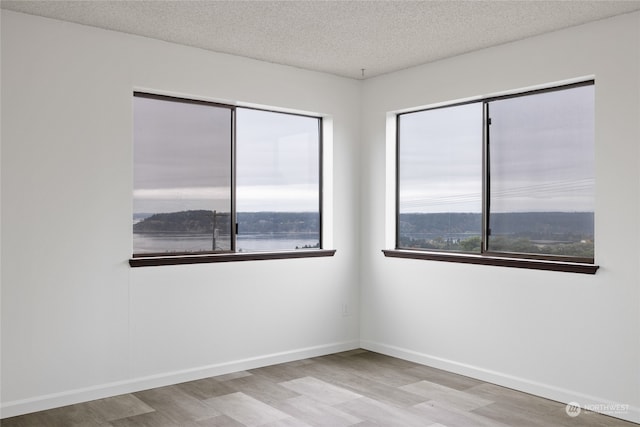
{"x":86,"y":394}
{"x":595,"y":404}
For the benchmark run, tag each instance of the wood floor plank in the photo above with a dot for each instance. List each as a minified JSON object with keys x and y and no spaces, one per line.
{"x":447,"y":396}
{"x":233,"y":376}
{"x":393,"y":377}
{"x":284,"y":371}
{"x":438,"y":376}
{"x":219,"y":421}
{"x":246,"y":410}
{"x":510,"y":415}
{"x":176,"y":404}
{"x":261,"y":388}
{"x":453,"y":417}
{"x":320,"y":391}
{"x":80,"y":415}
{"x":317,"y":413}
{"x":384,"y":360}
{"x":517,"y":401}
{"x":383,"y":393}
{"x":124,"y":406}
{"x":384,"y":414}
{"x":151,"y":419}
{"x":206,"y":388}
{"x":361,"y":384}
{"x":286,"y":422}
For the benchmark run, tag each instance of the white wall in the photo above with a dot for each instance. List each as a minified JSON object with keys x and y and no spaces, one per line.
{"x":570,"y":337}
{"x":77,"y":322}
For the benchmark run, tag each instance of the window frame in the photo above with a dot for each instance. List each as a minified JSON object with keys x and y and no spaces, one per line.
{"x":179,"y":258}
{"x":487,"y":256}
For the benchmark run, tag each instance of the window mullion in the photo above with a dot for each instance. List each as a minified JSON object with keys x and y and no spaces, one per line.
{"x":321,"y":228}
{"x":397,"y":177}
{"x":233,"y":220}
{"x":486,"y":178}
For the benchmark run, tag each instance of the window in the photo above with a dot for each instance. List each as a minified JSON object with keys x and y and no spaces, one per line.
{"x":213,"y":179}
{"x":505,"y":177}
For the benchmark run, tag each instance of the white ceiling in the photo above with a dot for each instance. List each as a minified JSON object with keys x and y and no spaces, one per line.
{"x":338,"y":37}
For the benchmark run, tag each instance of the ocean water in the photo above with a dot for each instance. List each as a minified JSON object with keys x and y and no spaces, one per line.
{"x":172,"y":242}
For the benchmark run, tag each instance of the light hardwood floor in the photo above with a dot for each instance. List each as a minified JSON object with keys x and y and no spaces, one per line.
{"x":355,"y":388}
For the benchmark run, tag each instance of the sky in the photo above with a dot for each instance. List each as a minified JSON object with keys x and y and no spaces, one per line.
{"x":278,"y":163}
{"x":541,"y":155}
{"x":441,"y":160}
{"x":182,"y":159}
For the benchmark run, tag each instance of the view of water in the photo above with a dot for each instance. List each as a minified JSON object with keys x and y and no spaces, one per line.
{"x":172,"y":242}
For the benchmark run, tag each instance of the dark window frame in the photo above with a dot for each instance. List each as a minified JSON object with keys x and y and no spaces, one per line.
{"x":179,"y":258}
{"x":487,"y":256}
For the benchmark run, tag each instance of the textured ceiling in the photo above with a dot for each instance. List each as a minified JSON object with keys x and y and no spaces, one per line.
{"x":338,"y":37}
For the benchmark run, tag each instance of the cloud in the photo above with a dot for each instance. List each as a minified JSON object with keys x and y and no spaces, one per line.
{"x":275,"y":198}
{"x":193,"y":193}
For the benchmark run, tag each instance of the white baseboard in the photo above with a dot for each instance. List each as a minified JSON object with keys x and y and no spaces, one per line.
{"x":70,"y":397}
{"x":621,"y":410}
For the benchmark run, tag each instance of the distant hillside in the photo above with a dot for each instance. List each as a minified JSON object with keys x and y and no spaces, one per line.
{"x":535,"y":225}
{"x":438,"y":222}
{"x":550,"y":233}
{"x":542,"y":225}
{"x":278,"y":222}
{"x":201,"y":222}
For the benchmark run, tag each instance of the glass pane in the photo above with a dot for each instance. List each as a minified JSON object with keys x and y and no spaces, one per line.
{"x":440,"y":179}
{"x":278,"y":181}
{"x":542,"y":173}
{"x":182,"y":177}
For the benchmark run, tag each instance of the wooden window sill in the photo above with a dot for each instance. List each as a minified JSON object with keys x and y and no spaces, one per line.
{"x":534,"y":264}
{"x":153,"y":261}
